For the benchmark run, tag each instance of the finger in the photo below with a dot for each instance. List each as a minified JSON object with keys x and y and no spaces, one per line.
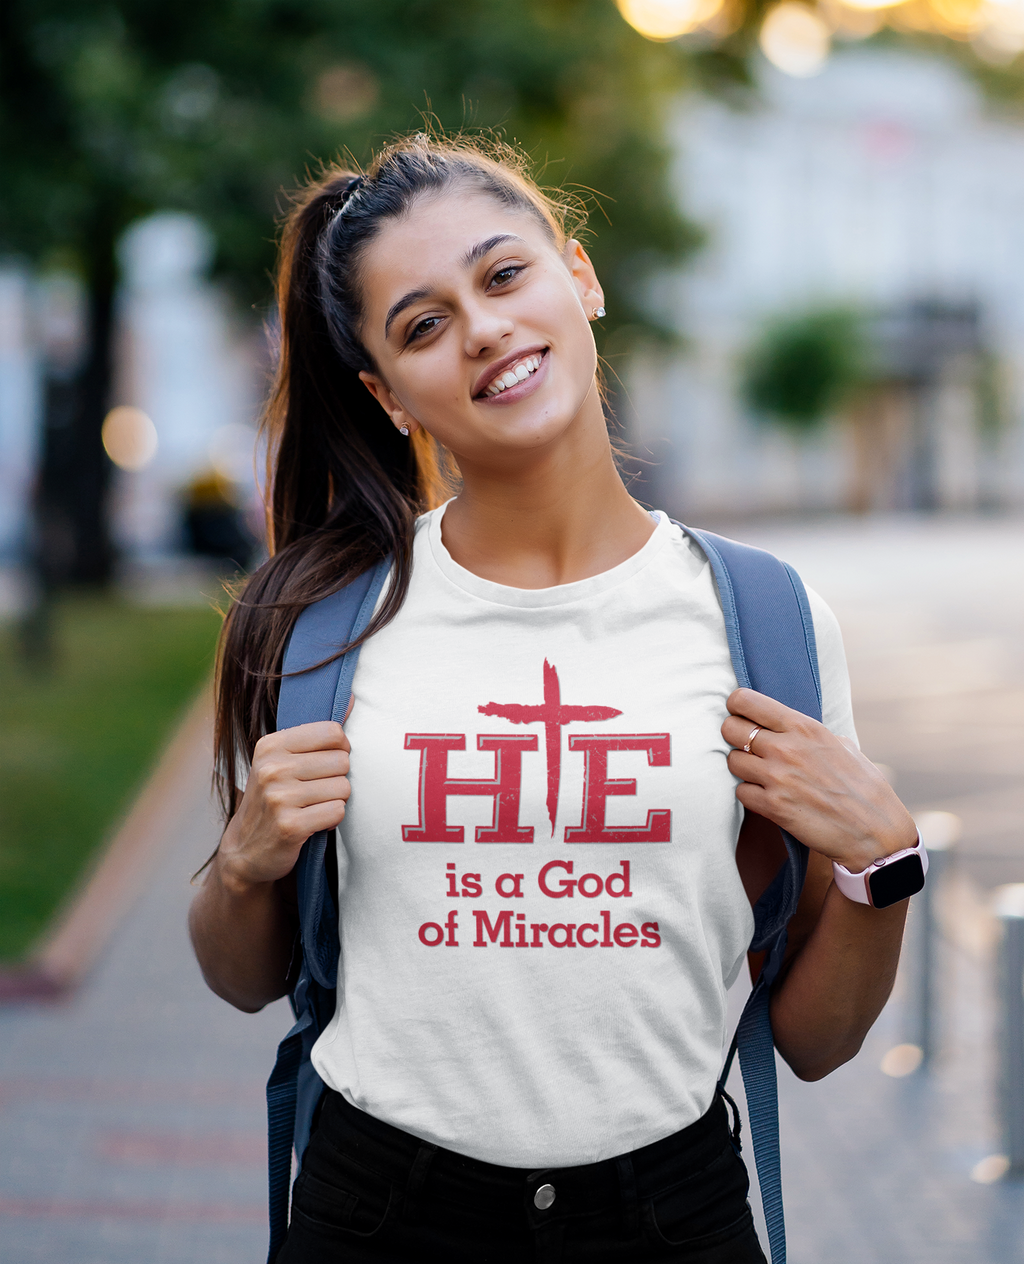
{"x":318,"y":764}
{"x":760,"y":709}
{"x":737,"y":730}
{"x":755,"y":799}
{"x":749,"y":768}
{"x":327,"y":790}
{"x":321,"y":816}
{"x":323,"y":735}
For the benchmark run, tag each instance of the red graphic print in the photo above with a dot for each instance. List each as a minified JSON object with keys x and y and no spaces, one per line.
{"x":597,"y":786}
{"x":553,"y":715}
{"x":436,"y":785}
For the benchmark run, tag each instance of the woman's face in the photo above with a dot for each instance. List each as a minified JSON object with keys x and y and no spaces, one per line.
{"x":479,"y":327}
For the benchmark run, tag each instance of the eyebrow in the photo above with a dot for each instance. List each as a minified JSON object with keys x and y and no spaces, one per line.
{"x":473,"y":255}
{"x":477,"y":252}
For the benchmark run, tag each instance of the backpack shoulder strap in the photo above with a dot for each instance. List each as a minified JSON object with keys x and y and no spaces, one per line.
{"x":771,"y":641}
{"x":767,"y":620}
{"x":316,"y":685}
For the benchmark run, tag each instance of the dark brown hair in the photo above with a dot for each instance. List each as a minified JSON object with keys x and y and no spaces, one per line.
{"x":344,"y":487}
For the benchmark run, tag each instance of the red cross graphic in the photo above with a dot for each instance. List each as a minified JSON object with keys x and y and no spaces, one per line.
{"x":552,"y":714}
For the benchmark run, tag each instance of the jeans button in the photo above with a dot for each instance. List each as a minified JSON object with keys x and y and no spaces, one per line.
{"x":544,"y":1197}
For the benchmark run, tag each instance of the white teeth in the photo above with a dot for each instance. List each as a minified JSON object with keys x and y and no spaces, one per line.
{"x":512,"y":377}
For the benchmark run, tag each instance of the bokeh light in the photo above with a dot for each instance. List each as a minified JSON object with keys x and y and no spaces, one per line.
{"x":902,"y":1060}
{"x":796,"y":35}
{"x":667,"y":19}
{"x":796,"y":39}
{"x":129,"y":438}
{"x":345,"y":92}
{"x":867,"y":5}
{"x":1001,"y":35}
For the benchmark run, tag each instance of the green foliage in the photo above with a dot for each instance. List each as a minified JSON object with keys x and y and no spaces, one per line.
{"x":109,"y":108}
{"x":75,"y":743}
{"x":804,"y":367}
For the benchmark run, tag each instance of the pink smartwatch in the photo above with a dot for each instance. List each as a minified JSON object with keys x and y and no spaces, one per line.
{"x":888,"y":880}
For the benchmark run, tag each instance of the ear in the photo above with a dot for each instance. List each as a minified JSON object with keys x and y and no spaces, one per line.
{"x":587,"y":285}
{"x":390,"y":402}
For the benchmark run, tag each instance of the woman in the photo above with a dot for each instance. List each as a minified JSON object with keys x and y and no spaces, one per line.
{"x":544,"y":711}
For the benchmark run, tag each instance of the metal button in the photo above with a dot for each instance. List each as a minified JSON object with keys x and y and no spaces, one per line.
{"x":544,"y":1197}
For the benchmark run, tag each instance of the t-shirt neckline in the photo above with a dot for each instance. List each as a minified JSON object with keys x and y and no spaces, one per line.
{"x":558,"y":595}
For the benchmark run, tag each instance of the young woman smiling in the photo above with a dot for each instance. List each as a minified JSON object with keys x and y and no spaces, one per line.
{"x":540,"y":631}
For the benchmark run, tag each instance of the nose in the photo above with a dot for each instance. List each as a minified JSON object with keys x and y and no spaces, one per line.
{"x":486,"y":328}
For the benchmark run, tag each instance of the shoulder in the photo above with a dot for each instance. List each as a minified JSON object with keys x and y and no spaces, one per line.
{"x":748,"y":568}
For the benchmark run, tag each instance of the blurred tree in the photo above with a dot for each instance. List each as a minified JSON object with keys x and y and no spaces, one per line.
{"x":804,"y":367}
{"x":112,"y":108}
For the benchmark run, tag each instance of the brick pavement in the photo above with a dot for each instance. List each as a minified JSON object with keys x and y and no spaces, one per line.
{"x":143,"y":1142}
{"x":132,"y":1124}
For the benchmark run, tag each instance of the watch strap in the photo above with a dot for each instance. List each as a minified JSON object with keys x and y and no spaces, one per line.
{"x":855,"y":885}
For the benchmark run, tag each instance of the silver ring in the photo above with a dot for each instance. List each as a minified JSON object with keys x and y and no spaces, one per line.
{"x":753,"y":733}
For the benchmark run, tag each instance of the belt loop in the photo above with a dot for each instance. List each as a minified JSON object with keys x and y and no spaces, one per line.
{"x":627,"y":1187}
{"x":417,"y":1175}
{"x":734,"y":1136}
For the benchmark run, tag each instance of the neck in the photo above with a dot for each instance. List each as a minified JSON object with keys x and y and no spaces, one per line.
{"x":558,"y":516}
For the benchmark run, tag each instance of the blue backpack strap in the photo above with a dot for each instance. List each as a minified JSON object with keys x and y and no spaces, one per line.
{"x":771,"y":641}
{"x":312,"y":689}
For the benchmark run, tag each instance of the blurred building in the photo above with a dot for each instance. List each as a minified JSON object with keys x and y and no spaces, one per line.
{"x":884,"y":182}
{"x":187,"y":365}
{"x":20,"y":405}
{"x":189,"y":381}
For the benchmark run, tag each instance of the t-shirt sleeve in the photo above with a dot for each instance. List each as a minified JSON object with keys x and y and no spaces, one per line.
{"x":836,"y":704}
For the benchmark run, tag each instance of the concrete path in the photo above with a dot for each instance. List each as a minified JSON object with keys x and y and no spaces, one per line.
{"x":131,"y":1118}
{"x":878,"y":1170}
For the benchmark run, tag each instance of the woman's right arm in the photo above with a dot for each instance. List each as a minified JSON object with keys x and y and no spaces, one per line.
{"x":243,"y":922}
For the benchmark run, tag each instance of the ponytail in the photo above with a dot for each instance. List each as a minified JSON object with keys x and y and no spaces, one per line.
{"x":344,"y":487}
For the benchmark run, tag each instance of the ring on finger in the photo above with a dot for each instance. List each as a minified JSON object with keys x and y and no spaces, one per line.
{"x":753,"y":733}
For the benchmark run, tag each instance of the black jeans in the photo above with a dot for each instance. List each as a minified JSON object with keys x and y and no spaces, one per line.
{"x":368,"y":1191}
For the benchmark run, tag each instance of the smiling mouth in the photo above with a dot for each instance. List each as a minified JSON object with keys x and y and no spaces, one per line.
{"x":514,"y":374}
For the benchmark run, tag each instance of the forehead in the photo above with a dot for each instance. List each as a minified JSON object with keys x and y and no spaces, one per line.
{"x":426,"y":247}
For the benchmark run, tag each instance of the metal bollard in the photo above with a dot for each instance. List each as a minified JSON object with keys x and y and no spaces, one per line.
{"x":1009,"y":908}
{"x":940,"y":832}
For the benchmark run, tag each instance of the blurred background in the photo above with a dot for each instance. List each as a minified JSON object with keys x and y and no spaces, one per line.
{"x":809,"y":220}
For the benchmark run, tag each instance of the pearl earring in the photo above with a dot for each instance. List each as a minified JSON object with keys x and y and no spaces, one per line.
{"x":404,"y":430}
{"x":600,"y":313}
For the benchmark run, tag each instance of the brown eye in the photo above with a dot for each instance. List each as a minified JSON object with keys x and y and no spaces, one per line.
{"x":424,"y":327}
{"x":505,"y":275}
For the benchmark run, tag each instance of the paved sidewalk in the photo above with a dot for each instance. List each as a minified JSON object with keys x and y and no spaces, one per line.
{"x":132,"y":1120}
{"x":878,"y":1170}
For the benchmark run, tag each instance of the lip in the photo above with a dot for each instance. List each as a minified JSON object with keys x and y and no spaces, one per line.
{"x":498,"y":367}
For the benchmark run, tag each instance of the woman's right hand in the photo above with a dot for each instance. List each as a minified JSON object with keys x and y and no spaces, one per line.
{"x":298,"y":785}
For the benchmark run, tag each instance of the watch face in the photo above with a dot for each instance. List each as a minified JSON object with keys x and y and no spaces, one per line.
{"x":896,"y":882}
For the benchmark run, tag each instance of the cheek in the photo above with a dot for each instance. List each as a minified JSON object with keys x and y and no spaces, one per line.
{"x":430,"y":383}
{"x":570,"y":329}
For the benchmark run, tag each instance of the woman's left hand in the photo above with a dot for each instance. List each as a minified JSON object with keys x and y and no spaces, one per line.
{"x":817,"y":786}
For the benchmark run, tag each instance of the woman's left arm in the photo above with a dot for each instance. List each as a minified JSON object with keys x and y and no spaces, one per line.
{"x":841,"y":958}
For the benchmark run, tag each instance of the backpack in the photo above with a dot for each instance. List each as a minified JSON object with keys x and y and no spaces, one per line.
{"x":771,"y":642}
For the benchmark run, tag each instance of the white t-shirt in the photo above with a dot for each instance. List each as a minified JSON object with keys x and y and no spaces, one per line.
{"x":540,"y":910}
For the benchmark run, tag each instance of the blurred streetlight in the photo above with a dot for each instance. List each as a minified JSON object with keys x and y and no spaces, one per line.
{"x":129,"y":438}
{"x":796,"y":36}
{"x":667,"y":19}
{"x":1000,"y":37}
{"x":796,"y":39}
